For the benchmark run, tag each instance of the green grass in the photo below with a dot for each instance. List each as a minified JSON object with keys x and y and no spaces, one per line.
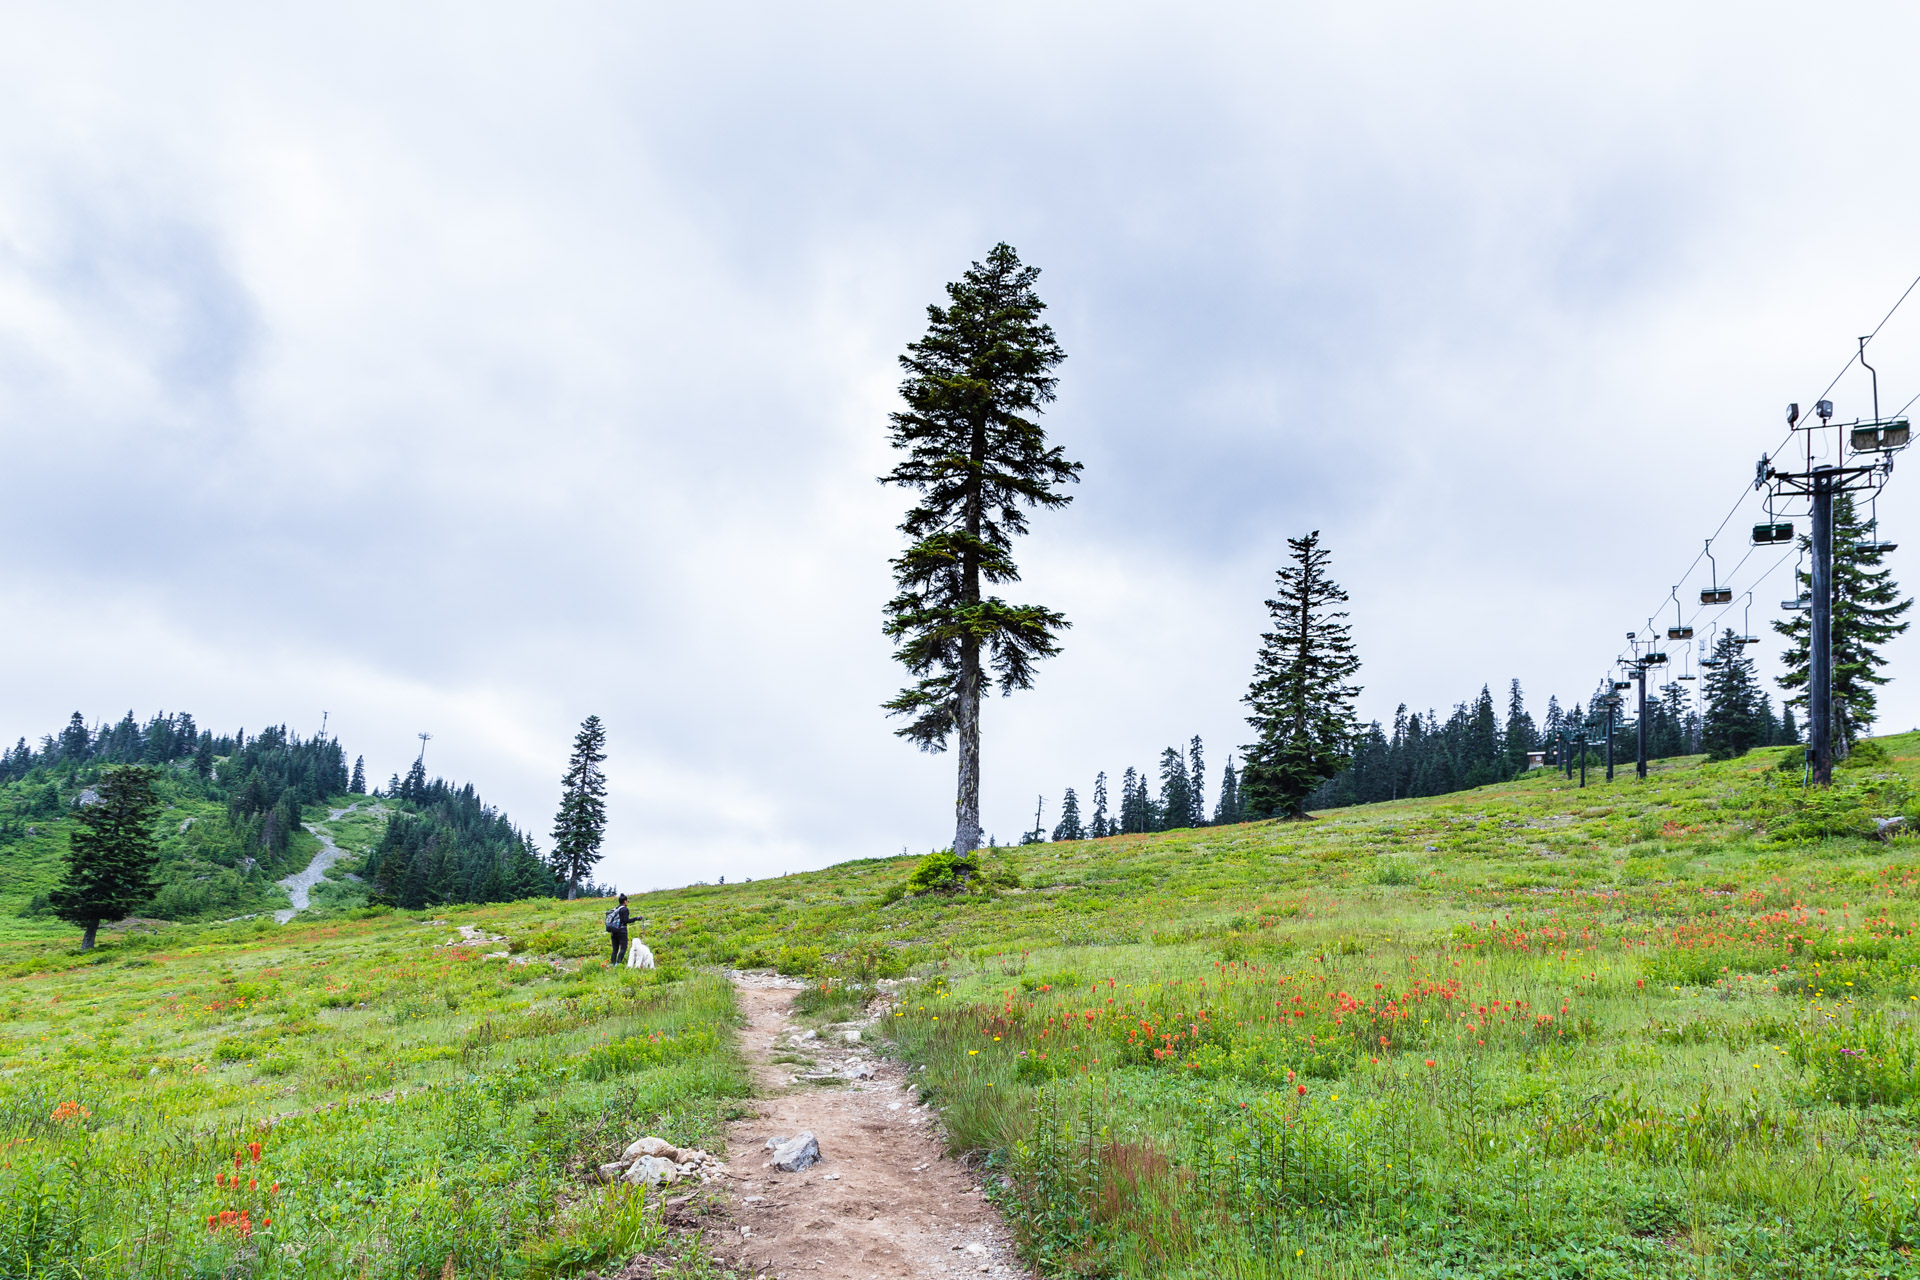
{"x":416,"y":1105}
{"x":1671,"y":1029}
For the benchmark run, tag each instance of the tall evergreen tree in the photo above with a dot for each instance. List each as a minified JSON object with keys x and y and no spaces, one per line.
{"x":358,"y":786}
{"x":1227,"y":812}
{"x":1731,"y":724}
{"x":111,"y":854}
{"x":1867,"y":613}
{"x":1176,"y":790}
{"x":1136,"y":814}
{"x":1197,"y":782}
{"x":581,"y":824}
{"x":1101,"y":827}
{"x":974,"y":389}
{"x":1301,"y":702}
{"x":74,"y":740}
{"x":1069,"y":827}
{"x":1522,"y":738}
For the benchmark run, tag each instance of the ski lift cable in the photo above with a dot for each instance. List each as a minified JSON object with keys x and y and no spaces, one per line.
{"x":1747,"y":489}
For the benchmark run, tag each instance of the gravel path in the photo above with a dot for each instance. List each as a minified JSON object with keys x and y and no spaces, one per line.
{"x":301,"y":882}
{"x":884,"y":1201}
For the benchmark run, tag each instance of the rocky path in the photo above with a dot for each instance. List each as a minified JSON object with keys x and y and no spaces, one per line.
{"x":300,"y":883}
{"x":883,"y":1201}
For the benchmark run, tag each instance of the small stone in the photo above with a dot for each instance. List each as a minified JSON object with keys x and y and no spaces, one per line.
{"x":612,"y":1170}
{"x":652,"y":1146}
{"x":851,"y":1035}
{"x":651,"y":1171}
{"x":796,"y":1153}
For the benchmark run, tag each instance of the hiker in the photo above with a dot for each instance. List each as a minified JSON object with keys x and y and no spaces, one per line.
{"x":617,"y":921}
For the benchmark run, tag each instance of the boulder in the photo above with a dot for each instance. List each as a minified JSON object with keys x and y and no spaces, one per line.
{"x":609,"y":1172}
{"x":791,"y":1155}
{"x":1887,"y":828}
{"x":652,"y":1171}
{"x":652,"y":1146}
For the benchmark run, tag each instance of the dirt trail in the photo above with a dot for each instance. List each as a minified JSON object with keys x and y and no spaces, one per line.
{"x":883,"y":1201}
{"x":300,"y":883}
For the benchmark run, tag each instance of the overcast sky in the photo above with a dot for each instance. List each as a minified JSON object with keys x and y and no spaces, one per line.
{"x":467,"y":369}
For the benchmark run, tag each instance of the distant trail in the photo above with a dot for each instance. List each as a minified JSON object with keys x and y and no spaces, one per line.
{"x":300,"y":882}
{"x":884,"y":1201}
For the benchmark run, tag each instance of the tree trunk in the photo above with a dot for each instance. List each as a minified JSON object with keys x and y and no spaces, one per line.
{"x":966,"y":836}
{"x":573,"y":888}
{"x":86,"y":940}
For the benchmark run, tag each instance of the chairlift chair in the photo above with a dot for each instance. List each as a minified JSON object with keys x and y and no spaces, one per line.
{"x":1880,"y":437}
{"x":1715,"y":594}
{"x":1764,"y":534}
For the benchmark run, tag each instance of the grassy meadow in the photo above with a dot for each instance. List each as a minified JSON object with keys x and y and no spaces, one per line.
{"x":1646,"y":1029}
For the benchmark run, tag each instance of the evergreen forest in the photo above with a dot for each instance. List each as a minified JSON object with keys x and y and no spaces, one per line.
{"x":236,"y":808}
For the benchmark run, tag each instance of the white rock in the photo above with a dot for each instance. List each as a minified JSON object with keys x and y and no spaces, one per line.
{"x":651,"y":1171}
{"x":851,"y":1035}
{"x":608,"y":1172}
{"x":796,"y":1153}
{"x":652,"y":1146}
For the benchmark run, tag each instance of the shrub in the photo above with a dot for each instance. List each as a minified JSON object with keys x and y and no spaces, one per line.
{"x":1865,"y":1060}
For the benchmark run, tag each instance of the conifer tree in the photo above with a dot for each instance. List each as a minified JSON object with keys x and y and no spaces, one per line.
{"x":74,"y":740}
{"x":1176,"y":790}
{"x":1867,"y":613}
{"x":1228,"y":810}
{"x":1521,"y":736}
{"x":1069,"y":827}
{"x":1101,"y":827}
{"x":1731,"y":724}
{"x":974,"y":389}
{"x":581,"y":823}
{"x":1301,"y":702}
{"x":358,"y":786}
{"x":111,"y":857}
{"x":1135,"y":816}
{"x":393,"y":787}
{"x":1197,"y":783}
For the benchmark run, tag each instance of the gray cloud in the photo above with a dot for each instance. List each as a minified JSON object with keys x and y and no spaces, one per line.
{"x":472,"y":370}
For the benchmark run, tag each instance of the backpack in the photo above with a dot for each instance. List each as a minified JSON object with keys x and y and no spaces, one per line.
{"x":614,"y":923}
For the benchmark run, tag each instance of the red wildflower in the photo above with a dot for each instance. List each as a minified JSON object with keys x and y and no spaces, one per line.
{"x":1303,"y":1090}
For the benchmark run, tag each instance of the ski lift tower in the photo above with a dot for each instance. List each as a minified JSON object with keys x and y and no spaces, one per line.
{"x":1864,"y":460}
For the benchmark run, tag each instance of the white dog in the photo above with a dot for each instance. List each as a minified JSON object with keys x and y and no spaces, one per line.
{"x":638,"y":956}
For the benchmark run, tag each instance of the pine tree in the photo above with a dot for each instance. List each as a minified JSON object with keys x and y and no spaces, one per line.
{"x":1522,"y":739}
{"x":1069,"y":827}
{"x":358,"y":786}
{"x":581,"y":824}
{"x":1867,"y":612}
{"x":111,"y":858}
{"x":1302,"y":706}
{"x":1197,"y":783}
{"x":974,"y":389}
{"x":1731,"y":725}
{"x":1176,"y":790}
{"x":1789,"y":728}
{"x":393,"y":787}
{"x":1101,"y":827}
{"x":1227,"y":812}
{"x":1134,"y":814}
{"x":414,"y":787}
{"x":74,"y":740}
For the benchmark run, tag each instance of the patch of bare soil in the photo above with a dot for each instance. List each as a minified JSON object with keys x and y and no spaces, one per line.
{"x":883,"y":1201}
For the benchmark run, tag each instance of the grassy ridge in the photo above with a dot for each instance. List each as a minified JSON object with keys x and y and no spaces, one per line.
{"x":1659,"y":1028}
{"x":1669,"y":1025}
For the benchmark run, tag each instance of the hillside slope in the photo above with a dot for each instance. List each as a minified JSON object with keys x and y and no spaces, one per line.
{"x":1651,"y":1029}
